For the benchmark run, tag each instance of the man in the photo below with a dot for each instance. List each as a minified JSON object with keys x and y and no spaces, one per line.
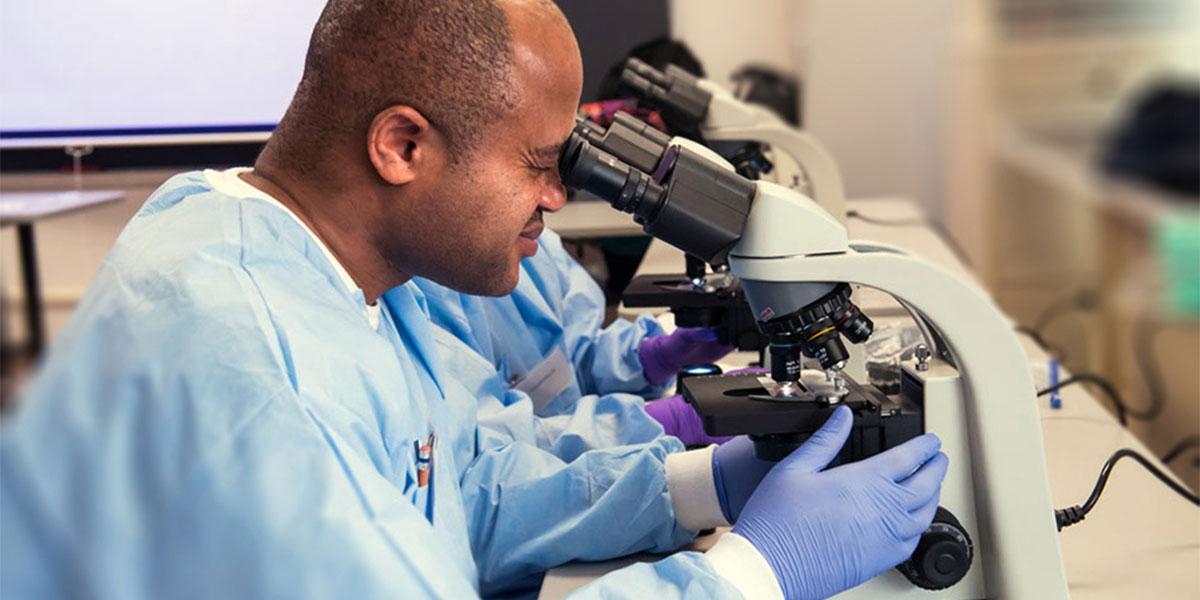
{"x":248,"y":401}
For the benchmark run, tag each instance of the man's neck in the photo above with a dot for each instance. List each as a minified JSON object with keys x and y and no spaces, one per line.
{"x":326,"y":214}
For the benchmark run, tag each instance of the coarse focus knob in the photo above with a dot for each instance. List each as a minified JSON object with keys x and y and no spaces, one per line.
{"x":943,"y":556}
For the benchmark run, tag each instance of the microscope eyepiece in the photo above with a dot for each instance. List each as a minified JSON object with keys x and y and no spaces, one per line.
{"x":585,"y":167}
{"x":641,"y":86}
{"x":627,"y":139}
{"x":635,"y":67}
{"x":674,"y":92}
{"x":677,"y":195}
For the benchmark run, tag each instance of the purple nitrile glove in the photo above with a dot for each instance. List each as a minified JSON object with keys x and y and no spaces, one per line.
{"x":662,"y":356}
{"x":680,"y":420}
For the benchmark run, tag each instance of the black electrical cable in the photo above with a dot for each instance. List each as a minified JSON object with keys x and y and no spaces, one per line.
{"x":1034,"y":335}
{"x":1081,"y":300}
{"x":937,"y":227}
{"x":1065,"y":517}
{"x":1145,"y":330}
{"x":1187,"y":443}
{"x":1105,"y":386}
{"x":1041,"y":342}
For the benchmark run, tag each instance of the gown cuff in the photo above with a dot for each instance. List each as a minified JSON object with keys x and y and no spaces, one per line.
{"x":737,"y":561}
{"x":693,"y":489}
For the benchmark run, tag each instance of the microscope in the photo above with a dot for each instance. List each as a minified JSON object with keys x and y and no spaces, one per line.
{"x":741,"y":132}
{"x":995,"y":534}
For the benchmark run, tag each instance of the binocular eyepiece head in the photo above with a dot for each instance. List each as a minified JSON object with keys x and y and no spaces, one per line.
{"x":677,"y":195}
{"x":583,"y":166}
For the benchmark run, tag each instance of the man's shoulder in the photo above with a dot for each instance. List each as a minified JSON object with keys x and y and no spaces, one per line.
{"x":198,"y":262}
{"x":190,"y":236}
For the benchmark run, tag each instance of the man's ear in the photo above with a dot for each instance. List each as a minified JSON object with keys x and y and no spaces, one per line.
{"x":401,"y":142}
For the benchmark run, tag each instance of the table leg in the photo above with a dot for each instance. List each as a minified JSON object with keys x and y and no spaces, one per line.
{"x":33,"y":293}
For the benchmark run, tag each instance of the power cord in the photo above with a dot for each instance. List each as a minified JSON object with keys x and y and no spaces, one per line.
{"x":1105,"y":386}
{"x":1145,"y":330}
{"x":1187,"y":443}
{"x":1081,"y":300}
{"x":1065,"y":517}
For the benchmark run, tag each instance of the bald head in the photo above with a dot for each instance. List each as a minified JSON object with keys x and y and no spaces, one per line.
{"x":452,"y":60}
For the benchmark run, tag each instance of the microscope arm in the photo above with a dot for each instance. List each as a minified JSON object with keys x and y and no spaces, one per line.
{"x":731,"y":119}
{"x":1016,"y":517}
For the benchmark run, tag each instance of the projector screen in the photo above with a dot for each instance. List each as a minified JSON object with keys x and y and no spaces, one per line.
{"x":114,"y":72}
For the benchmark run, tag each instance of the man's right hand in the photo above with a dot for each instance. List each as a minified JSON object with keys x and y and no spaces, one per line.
{"x":825,"y":531}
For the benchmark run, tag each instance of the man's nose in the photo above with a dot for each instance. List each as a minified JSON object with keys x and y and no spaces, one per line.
{"x":554,"y":198}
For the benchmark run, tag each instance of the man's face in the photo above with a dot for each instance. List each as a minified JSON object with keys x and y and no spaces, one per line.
{"x":490,"y":204}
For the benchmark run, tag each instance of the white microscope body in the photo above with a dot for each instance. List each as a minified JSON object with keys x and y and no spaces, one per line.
{"x":811,"y":169}
{"x":982,"y":407}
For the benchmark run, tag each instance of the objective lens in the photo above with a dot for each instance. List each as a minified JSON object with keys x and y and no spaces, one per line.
{"x":853,"y":324}
{"x":785,"y":359}
{"x":822,"y":342}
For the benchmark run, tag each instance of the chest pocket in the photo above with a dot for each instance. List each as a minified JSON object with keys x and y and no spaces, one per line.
{"x":546,"y":380}
{"x":414,"y":485}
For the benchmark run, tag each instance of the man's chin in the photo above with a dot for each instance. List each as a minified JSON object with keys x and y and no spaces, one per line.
{"x":499,"y":283}
{"x":482,"y":278}
{"x":498,"y":289}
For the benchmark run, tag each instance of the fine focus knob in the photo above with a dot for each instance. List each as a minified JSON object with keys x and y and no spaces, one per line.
{"x":943,"y":556}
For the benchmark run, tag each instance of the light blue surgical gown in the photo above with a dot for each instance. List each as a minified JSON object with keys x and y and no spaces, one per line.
{"x":555,"y":306}
{"x":597,"y":422}
{"x":219,"y":419}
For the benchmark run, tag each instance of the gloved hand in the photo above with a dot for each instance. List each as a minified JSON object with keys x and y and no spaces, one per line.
{"x":852,"y":522}
{"x":737,"y":473}
{"x":662,"y":356}
{"x":680,"y":420}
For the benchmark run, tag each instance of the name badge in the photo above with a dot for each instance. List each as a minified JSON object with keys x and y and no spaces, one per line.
{"x":547,"y":380}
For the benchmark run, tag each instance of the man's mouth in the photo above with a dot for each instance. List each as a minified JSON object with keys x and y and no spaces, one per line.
{"x":534,"y":228}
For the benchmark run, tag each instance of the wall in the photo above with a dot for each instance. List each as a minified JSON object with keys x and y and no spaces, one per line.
{"x":728,"y":35}
{"x":877,"y":76}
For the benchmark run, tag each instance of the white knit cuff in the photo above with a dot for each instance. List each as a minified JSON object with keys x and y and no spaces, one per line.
{"x":736,"y":560}
{"x":693,"y":490}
